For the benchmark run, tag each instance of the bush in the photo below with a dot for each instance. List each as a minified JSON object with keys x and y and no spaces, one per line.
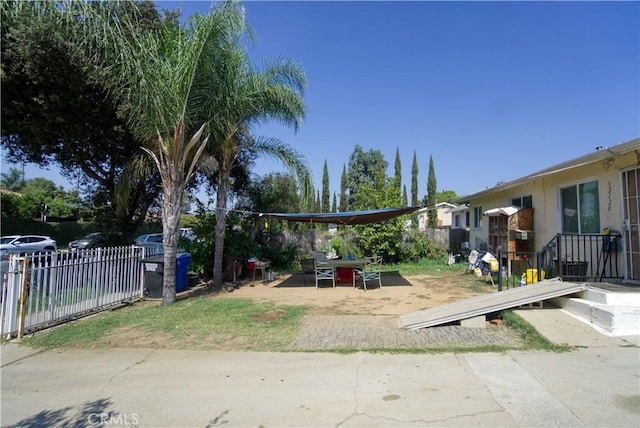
{"x":420,"y":246}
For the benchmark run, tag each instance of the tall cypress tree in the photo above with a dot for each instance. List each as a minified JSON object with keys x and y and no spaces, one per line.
{"x":404,"y":195}
{"x":414,"y":180}
{"x":335,"y":203}
{"x":325,"y":207}
{"x":398,"y":170}
{"x":431,"y":194}
{"x":343,"y":189}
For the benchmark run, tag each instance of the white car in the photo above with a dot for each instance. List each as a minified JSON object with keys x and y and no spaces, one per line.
{"x":19,"y":244}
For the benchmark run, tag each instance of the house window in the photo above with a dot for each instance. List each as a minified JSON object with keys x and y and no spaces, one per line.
{"x":477,"y":217}
{"x":580,"y":205}
{"x":457,"y":220}
{"x":522,"y":201}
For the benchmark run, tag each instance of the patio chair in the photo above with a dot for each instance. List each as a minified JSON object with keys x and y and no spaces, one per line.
{"x":308,"y":267}
{"x":324,"y":271}
{"x":372,"y":271}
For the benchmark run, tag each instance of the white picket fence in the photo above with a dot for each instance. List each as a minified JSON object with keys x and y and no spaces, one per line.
{"x":45,"y":289}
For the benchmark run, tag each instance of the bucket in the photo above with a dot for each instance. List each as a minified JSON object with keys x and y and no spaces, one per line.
{"x":478,"y":272}
{"x":251,"y":265}
{"x":531,"y":276}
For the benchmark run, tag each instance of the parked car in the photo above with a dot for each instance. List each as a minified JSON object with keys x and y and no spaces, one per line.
{"x":20,"y":244}
{"x":92,"y":240}
{"x":149,"y":237}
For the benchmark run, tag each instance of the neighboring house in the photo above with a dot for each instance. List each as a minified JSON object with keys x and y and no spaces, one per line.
{"x":592,"y":194}
{"x":443,"y":210}
{"x":460,"y":217}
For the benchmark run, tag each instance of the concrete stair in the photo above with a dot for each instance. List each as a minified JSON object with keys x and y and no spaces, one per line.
{"x":615,"y":311}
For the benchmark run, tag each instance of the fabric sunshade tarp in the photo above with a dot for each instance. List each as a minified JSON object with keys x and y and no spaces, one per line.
{"x":352,"y":217}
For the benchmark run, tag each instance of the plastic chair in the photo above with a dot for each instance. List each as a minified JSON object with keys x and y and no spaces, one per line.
{"x":372,"y":271}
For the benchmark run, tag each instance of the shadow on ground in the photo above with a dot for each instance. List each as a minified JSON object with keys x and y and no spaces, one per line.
{"x":298,"y":280}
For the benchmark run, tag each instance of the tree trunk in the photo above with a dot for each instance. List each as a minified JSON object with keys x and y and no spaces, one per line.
{"x":171,"y":209}
{"x":221,"y":224}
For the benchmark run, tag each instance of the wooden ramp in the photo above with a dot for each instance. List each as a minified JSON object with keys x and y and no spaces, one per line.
{"x":490,"y":303}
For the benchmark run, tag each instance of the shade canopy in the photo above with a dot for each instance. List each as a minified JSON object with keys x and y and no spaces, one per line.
{"x":352,"y":217}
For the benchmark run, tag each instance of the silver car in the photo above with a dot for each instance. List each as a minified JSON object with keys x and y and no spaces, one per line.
{"x":149,"y":237}
{"x":19,"y":244}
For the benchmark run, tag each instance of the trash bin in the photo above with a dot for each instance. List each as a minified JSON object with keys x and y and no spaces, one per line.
{"x":183,"y":260}
{"x":153,"y":274}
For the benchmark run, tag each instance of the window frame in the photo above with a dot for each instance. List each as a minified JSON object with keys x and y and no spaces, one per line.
{"x":521,"y":198}
{"x":579,"y":200}
{"x":477,"y":217}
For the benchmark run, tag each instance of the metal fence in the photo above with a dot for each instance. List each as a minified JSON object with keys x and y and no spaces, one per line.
{"x":572,"y":257}
{"x":45,"y":289}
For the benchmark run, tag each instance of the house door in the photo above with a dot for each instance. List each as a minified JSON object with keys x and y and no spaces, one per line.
{"x":631,"y":202}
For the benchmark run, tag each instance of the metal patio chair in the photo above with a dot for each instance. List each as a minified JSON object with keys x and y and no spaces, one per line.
{"x":372,"y":271}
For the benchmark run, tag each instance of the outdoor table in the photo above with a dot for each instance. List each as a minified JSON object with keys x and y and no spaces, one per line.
{"x":347,"y":265}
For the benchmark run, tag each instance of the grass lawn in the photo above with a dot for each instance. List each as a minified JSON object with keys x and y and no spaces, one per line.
{"x":214,"y":322}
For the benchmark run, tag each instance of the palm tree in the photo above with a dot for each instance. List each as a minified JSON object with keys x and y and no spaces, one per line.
{"x":165,"y":78}
{"x":248,"y":96}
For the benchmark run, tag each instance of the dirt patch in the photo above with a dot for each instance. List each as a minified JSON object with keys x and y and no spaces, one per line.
{"x":398,"y":295}
{"x":269,"y":316}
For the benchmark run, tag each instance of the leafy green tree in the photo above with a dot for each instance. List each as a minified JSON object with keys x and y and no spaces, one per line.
{"x":325,"y":189}
{"x":44,"y":75}
{"x":37,"y":193}
{"x":275,"y":192}
{"x":383,"y":238}
{"x":365,"y":168}
{"x":431,"y":194}
{"x":12,"y":180}
{"x":414,"y":181}
{"x":447,"y":196}
{"x":343,"y":189}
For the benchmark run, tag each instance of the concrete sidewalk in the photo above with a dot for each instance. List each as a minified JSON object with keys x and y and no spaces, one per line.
{"x":158,"y":388}
{"x":594,"y":385}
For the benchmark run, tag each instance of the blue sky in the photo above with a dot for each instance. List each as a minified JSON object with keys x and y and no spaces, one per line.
{"x":492,"y":90}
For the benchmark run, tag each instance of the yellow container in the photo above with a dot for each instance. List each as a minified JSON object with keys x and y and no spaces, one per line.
{"x":531,"y":276}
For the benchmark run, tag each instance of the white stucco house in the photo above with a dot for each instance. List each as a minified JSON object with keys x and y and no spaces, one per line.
{"x":583,"y":212}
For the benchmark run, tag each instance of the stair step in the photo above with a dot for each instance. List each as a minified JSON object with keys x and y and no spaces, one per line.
{"x":611,"y":298}
{"x":618,"y":320}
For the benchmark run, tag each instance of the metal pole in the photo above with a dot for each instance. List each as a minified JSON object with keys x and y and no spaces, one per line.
{"x":23,"y":300}
{"x":499,"y":268}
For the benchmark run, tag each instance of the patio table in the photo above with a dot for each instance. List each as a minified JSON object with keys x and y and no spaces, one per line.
{"x":347,"y":265}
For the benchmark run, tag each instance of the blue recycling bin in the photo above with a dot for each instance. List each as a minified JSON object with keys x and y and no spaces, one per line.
{"x":183,"y":260}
